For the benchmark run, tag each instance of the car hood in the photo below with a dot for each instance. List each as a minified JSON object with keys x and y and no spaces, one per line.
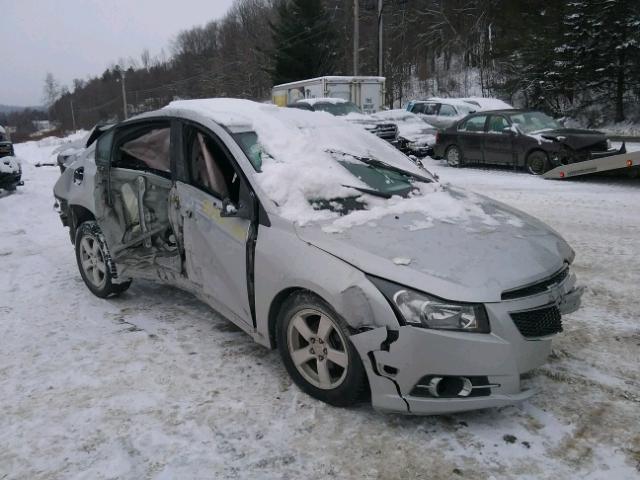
{"x":468,"y":261}
{"x":574,"y":137}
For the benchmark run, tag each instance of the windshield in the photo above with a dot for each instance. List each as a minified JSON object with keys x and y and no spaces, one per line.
{"x":531,"y":122}
{"x":368,"y":174}
{"x":337,"y":109}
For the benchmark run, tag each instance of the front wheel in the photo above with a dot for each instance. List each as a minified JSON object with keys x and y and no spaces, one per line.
{"x":453,"y":156}
{"x":314,"y":345}
{"x":94,"y":261}
{"x":537,"y":163}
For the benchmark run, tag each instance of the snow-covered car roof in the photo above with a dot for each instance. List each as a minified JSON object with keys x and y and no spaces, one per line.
{"x":303,"y":151}
{"x":486,"y":103}
{"x":313,"y":101}
{"x":401,"y":115}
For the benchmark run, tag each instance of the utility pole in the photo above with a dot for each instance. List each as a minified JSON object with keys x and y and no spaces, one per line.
{"x":73,"y":115}
{"x":124,"y":94}
{"x":356,"y":35}
{"x":380,"y":56}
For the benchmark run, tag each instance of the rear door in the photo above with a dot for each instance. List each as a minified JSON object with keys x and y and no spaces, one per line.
{"x":471,"y":135}
{"x":216,"y":245}
{"x":133,"y":186}
{"x":498,"y":142}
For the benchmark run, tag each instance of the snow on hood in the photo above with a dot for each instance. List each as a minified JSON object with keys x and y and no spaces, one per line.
{"x":9,"y":164}
{"x":410,"y":126}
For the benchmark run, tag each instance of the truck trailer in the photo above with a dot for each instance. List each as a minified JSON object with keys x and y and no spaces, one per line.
{"x":366,"y":92}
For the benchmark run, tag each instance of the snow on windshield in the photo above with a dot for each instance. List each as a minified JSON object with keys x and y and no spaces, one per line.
{"x":297,"y":169}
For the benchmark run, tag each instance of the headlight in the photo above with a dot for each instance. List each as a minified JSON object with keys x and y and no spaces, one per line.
{"x":422,"y":310}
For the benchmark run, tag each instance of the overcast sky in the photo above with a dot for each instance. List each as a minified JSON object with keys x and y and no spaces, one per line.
{"x":80,"y":38}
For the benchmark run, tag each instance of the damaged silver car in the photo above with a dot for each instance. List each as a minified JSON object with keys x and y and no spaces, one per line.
{"x":371,"y":277}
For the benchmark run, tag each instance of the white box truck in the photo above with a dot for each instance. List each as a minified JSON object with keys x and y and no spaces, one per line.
{"x":366,"y":92}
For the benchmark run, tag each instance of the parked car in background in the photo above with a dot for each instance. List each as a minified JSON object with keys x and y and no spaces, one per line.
{"x":415,"y":136}
{"x":321,"y":240}
{"x":444,"y":112}
{"x":10,"y":166}
{"x":350,"y":112}
{"x":520,"y":138}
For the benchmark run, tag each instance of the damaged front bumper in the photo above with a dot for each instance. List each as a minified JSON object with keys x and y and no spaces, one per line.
{"x":425,"y":371}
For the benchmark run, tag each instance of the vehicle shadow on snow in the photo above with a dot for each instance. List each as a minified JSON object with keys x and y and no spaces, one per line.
{"x":183,"y":312}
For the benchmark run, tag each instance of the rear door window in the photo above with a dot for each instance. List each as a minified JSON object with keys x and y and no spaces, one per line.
{"x":497,"y":124}
{"x":447,"y":110}
{"x":473,"y":124}
{"x":144,"y":147}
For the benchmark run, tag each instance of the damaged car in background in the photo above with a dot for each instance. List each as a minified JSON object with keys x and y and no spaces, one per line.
{"x":415,"y":136}
{"x":10,"y":166}
{"x":372,"y":279}
{"x":351,"y":113}
{"x":519,"y":138}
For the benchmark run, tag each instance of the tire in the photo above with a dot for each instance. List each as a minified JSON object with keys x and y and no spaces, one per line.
{"x":337,"y":378}
{"x":537,"y":162}
{"x":453,"y":156}
{"x":94,"y":262}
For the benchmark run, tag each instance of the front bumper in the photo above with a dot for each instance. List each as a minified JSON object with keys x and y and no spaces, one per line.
{"x":10,"y":179}
{"x":398,"y":362}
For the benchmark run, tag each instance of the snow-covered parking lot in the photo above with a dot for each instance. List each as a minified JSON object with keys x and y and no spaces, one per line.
{"x":156,"y":385}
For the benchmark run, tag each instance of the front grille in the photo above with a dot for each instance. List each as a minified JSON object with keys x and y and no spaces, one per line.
{"x":538,"y":323}
{"x":386,"y":131}
{"x":538,"y":287}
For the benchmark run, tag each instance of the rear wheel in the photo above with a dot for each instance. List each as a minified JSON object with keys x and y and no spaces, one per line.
{"x":537,"y":163}
{"x":94,"y":261}
{"x":453,"y":156}
{"x":315,"y":348}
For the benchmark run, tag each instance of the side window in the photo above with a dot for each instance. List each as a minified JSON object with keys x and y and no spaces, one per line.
{"x":103,"y":148}
{"x":497,"y":124}
{"x":430,"y":109}
{"x":473,"y":124}
{"x":418,"y":108}
{"x":248,"y":142}
{"x":447,"y":110}
{"x":144,"y":147}
{"x":209,"y":166}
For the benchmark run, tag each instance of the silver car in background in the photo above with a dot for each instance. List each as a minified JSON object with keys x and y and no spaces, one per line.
{"x":373,"y":279}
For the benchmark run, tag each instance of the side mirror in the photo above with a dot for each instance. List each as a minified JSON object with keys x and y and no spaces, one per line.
{"x":509,"y":131}
{"x":241,"y":210}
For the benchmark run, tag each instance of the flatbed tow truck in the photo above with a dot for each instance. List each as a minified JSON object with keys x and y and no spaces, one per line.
{"x":622,"y":162}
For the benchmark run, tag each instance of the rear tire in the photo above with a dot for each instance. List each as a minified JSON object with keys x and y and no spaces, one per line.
{"x":537,"y":162}
{"x":314,"y":345}
{"x":94,"y":262}
{"x":453,"y":156}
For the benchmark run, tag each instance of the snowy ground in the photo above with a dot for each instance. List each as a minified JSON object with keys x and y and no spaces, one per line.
{"x":156,"y":385}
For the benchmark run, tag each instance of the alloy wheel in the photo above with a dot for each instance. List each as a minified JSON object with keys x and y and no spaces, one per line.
{"x":318,"y":349}
{"x":93,"y":261}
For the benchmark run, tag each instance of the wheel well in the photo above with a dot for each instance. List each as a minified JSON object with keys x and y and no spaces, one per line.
{"x":78,"y":215}
{"x":534,"y":150}
{"x":274,"y":310}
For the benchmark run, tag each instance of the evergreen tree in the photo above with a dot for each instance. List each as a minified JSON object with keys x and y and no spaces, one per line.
{"x":600,"y":56}
{"x":304,"y":41}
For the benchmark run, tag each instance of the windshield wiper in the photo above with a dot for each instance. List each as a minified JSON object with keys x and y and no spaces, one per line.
{"x":369,"y":191}
{"x":374,"y":162}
